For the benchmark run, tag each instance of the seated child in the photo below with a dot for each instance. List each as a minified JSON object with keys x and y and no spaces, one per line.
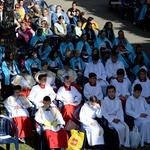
{"x":77,"y":30}
{"x":144,"y":82}
{"x":39,"y":91}
{"x":52,"y":121}
{"x":122,"y":85}
{"x":92,"y":88}
{"x":139,"y":109}
{"x":51,"y":76}
{"x":113,"y":112}
{"x":112,"y":65}
{"x":17,"y":106}
{"x":89,"y":111}
{"x":71,"y":98}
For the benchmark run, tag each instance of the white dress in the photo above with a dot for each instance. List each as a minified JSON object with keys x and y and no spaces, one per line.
{"x":112,"y":109}
{"x":134,"y":107}
{"x":94,"y":133}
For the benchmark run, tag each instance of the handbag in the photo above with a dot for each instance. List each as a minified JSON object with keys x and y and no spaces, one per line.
{"x":135,"y":137}
{"x":75,"y":142}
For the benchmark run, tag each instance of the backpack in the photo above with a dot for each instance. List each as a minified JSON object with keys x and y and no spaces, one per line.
{"x":135,"y":137}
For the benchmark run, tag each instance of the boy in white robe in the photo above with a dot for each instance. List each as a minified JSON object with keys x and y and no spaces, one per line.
{"x":17,"y":106}
{"x":39,"y":91}
{"x":97,"y":67}
{"x":122,"y":85}
{"x":71,"y":98}
{"x":145,"y":83}
{"x":52,"y":121}
{"x":139,"y":109}
{"x":51,"y":76}
{"x":112,"y":65}
{"x":113,"y":112}
{"x":92,"y":88}
{"x":89,"y":111}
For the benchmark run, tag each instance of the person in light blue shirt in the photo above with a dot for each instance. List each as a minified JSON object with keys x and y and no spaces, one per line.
{"x":102,"y":41}
{"x":54,"y":61}
{"x":66,"y":48}
{"x":60,"y":12}
{"x":122,"y":42}
{"x":38,"y":38}
{"x":9,"y":70}
{"x":44,"y":50}
{"x":139,"y":51}
{"x":33,"y":63}
{"x":76,"y":62}
{"x":84,"y":48}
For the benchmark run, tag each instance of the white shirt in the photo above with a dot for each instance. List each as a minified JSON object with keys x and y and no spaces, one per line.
{"x":97,"y":68}
{"x":111,"y":68}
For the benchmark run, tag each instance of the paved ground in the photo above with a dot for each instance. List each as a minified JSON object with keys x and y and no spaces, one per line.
{"x":99,"y":10}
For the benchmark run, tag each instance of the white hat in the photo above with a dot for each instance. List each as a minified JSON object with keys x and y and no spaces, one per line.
{"x":37,"y":76}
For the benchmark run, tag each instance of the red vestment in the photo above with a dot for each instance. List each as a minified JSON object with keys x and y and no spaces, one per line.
{"x":24,"y":126}
{"x":57,"y":139}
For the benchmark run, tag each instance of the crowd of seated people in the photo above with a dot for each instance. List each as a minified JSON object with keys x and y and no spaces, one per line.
{"x":73,"y":61}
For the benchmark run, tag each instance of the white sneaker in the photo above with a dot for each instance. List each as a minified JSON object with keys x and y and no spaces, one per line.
{"x":22,"y":140}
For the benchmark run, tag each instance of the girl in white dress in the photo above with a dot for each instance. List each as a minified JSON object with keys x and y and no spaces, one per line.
{"x":89,"y":111}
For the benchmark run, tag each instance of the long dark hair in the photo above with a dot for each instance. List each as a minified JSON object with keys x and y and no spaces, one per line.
{"x":112,"y":35}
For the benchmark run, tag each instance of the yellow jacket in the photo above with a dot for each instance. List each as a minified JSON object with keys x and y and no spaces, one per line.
{"x":94,"y":25}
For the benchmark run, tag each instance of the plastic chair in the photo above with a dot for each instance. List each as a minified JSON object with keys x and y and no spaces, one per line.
{"x":59,"y":104}
{"x":5,"y":127}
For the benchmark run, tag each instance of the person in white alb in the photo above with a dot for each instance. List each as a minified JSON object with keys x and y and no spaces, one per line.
{"x":17,"y":106}
{"x":53,"y":124}
{"x":97,"y":67}
{"x":89,"y":111}
{"x":113,"y":112}
{"x":71,"y":98}
{"x":92,"y":88}
{"x":112,"y":65}
{"x":51,"y":76}
{"x":39,"y":91}
{"x":145,"y":83}
{"x":139,"y":109}
{"x":122,"y":85}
